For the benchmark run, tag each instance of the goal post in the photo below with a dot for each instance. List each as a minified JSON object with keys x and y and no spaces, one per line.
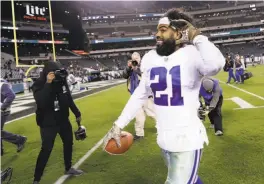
{"x":15,"y":40}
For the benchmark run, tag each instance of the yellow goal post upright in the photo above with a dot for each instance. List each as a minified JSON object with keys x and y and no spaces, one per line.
{"x":30,"y":67}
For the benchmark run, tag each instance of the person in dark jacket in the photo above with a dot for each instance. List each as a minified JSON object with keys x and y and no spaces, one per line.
{"x":53,"y":101}
{"x":7,"y":97}
{"x":212,"y":94}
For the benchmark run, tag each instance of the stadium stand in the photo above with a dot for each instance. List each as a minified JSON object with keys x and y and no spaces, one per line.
{"x":224,"y":22}
{"x":235,"y":27}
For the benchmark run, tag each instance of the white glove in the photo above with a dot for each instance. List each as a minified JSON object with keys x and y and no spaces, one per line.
{"x":115,"y":133}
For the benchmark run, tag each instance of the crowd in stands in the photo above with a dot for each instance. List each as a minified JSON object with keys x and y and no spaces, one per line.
{"x":9,"y":71}
{"x":32,"y":35}
{"x":31,"y":24}
{"x":34,"y":49}
{"x":93,"y":8}
{"x":128,"y":27}
{"x":123,"y":27}
{"x":147,"y":30}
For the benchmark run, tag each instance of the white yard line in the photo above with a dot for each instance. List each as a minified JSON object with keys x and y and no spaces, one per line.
{"x":242,"y":103}
{"x":245,"y":91}
{"x":256,"y":107}
{"x":19,"y":118}
{"x":74,"y":100}
{"x":87,"y":155}
{"x":64,"y":177}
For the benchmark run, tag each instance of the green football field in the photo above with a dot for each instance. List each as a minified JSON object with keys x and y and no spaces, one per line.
{"x":235,"y":158}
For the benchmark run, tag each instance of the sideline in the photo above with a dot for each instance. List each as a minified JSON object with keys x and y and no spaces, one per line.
{"x":76,"y":99}
{"x":87,"y":155}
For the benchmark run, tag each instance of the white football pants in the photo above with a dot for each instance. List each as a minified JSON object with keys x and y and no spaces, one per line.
{"x":182,"y":166}
{"x":147,"y":109}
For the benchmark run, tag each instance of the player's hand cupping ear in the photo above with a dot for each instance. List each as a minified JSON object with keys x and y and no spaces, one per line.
{"x":115,"y":133}
{"x":187,"y":30}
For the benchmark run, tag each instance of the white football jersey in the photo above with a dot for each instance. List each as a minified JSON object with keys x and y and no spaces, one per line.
{"x":175,"y":82}
{"x":71,"y":79}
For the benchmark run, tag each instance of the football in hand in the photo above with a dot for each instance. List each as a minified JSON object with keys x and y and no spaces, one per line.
{"x":126,"y":140}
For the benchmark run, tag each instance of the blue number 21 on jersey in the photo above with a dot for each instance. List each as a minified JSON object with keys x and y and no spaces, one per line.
{"x":161,"y":85}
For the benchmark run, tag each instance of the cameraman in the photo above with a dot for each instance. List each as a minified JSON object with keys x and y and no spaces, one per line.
{"x":133,"y":74}
{"x":53,"y":100}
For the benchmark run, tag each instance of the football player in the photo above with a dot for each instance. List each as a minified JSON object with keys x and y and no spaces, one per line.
{"x":72,"y":82}
{"x":133,"y":74}
{"x":173,"y":72}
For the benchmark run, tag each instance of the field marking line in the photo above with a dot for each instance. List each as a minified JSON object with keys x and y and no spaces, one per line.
{"x":90,"y":152}
{"x":245,"y":91}
{"x":256,"y":107}
{"x":87,"y":155}
{"x":242,"y":103}
{"x":74,"y":100}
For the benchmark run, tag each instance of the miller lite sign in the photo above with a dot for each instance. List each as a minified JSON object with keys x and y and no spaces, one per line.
{"x":35,"y":13}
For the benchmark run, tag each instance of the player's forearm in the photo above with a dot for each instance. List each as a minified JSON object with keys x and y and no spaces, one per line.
{"x":133,"y":105}
{"x":213,"y":60}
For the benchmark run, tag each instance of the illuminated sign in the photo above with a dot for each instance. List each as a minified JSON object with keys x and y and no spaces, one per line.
{"x":35,"y":10}
{"x":35,"y":13}
{"x":81,"y":52}
{"x":34,"y":41}
{"x":151,"y":15}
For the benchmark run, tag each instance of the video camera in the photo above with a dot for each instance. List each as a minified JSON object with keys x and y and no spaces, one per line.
{"x":60,"y":75}
{"x":134,"y":63}
{"x":80,"y":134}
{"x":135,"y":59}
